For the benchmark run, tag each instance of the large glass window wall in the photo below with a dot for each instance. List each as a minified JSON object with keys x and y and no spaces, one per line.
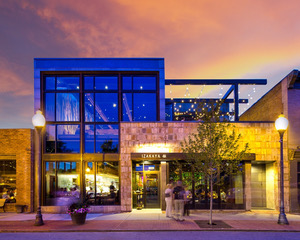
{"x":106,"y":100}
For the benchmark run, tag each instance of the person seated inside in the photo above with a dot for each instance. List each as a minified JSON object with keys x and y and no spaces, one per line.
{"x":6,"y":196}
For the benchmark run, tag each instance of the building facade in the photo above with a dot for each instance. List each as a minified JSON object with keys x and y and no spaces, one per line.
{"x":113,"y":139}
{"x":284,"y":98}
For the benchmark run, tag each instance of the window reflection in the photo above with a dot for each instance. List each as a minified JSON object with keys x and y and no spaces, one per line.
{"x":127,"y":82}
{"x":66,"y":175}
{"x":89,"y":107}
{"x":68,"y":139}
{"x":88,"y":83}
{"x":127,"y":107}
{"x":106,"y":107}
{"x":144,"y":106}
{"x":50,"y":138}
{"x":106,"y":82}
{"x":107,"y":138}
{"x":144,"y":83}
{"x":89,"y":139}
{"x":50,"y":106}
{"x":67,"y":107}
{"x":67,"y":83}
{"x":50,"y":83}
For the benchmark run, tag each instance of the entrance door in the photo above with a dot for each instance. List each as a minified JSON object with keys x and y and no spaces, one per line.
{"x":258,"y":185}
{"x":151,"y":190}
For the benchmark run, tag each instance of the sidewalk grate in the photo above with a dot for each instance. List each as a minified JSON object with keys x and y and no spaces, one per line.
{"x":216,"y":224}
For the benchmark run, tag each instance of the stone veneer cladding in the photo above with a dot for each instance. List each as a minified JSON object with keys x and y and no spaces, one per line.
{"x":18,"y":144}
{"x":262,"y":139}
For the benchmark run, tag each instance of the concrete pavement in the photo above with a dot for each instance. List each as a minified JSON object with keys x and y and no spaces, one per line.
{"x":151,"y":220}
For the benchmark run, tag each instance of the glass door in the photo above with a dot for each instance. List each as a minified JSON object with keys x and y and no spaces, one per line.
{"x":152,"y":190}
{"x":145,"y":185}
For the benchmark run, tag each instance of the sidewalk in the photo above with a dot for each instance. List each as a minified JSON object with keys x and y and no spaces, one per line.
{"x":151,"y":220}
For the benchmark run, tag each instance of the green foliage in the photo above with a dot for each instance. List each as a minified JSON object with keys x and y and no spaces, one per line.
{"x":214,"y":149}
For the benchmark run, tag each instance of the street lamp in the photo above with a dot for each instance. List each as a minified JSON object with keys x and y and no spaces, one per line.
{"x":281,"y":125}
{"x":38,"y":121}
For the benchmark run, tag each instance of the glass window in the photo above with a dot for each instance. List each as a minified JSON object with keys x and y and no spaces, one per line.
{"x":89,"y":107}
{"x":8,"y":180}
{"x":68,"y":83}
{"x":50,"y":83}
{"x":127,"y":107}
{"x":88,"y":83}
{"x":106,"y":82}
{"x":50,"y":107}
{"x":68,"y":139}
{"x":67,"y":181}
{"x":89,"y":139}
{"x":50,"y":138}
{"x":105,"y":190}
{"x":127,"y":82}
{"x":144,"y":83}
{"x":144,"y":106}
{"x":50,"y":181}
{"x":107,"y":138}
{"x":106,"y":107}
{"x":90,"y":192}
{"x":67,"y":107}
{"x":107,"y":183}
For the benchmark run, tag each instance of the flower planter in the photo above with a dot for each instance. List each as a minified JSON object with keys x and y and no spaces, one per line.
{"x":78,"y":218}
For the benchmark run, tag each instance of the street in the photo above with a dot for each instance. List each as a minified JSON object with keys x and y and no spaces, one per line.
{"x":182,"y":235}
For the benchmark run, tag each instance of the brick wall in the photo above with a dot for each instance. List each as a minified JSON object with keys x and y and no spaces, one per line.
{"x":18,"y":144}
{"x":267,"y":108}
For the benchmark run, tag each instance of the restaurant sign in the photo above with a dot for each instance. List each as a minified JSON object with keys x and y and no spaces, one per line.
{"x":156,"y":156}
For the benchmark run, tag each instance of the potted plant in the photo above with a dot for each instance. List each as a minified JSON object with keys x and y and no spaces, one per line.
{"x":78,"y":212}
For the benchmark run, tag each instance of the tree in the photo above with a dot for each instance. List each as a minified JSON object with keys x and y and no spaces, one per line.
{"x":214,"y":148}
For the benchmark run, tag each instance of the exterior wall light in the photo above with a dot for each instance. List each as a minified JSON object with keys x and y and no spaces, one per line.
{"x":281,"y":125}
{"x":39,"y":121}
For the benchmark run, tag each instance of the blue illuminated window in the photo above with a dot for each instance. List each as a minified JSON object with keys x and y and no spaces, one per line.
{"x":139,"y":98}
{"x":67,"y":83}
{"x":50,"y":106}
{"x":67,"y":107}
{"x":144,"y":106}
{"x":89,"y":107}
{"x":127,"y":107}
{"x":144,"y":83}
{"x":50,"y":83}
{"x":106,"y":83}
{"x":68,"y":139}
{"x":107,"y":138}
{"x":63,"y":138}
{"x":89,"y":139}
{"x":101,"y":138}
{"x":106,"y":107}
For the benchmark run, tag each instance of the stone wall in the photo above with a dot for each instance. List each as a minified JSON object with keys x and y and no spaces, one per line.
{"x":18,"y":144}
{"x":263,"y":140}
{"x":267,"y":108}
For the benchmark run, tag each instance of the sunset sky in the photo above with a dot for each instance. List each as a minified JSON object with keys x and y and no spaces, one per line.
{"x":197,"y":38}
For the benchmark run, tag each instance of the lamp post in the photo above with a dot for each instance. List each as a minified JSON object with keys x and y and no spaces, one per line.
{"x":281,"y":125}
{"x":38,"y":121}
